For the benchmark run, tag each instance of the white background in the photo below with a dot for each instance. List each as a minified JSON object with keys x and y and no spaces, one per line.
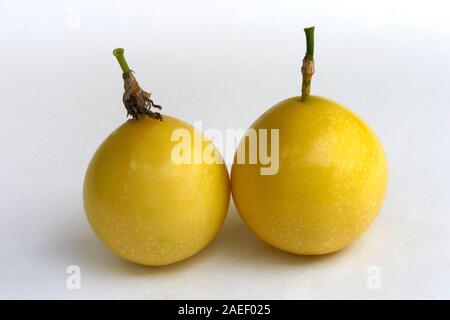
{"x":223,"y":63}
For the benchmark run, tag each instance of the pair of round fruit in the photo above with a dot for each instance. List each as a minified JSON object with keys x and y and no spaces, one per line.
{"x":152,"y":210}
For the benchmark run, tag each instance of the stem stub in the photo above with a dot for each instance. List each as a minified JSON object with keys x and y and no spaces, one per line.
{"x":308,"y":63}
{"x":136,"y":101}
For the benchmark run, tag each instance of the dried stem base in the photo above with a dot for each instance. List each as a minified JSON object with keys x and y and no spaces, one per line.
{"x":137,"y":101}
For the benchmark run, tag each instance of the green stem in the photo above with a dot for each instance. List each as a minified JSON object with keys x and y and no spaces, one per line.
{"x":309,"y":32}
{"x":118,"y":53}
{"x":308,"y":63}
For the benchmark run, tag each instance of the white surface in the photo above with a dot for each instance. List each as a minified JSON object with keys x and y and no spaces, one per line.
{"x":223,"y":63}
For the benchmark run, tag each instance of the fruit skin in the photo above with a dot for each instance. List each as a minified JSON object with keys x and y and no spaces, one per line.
{"x":331,"y":181}
{"x":147,"y":209}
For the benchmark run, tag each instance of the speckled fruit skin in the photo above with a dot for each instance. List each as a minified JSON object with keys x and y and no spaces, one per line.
{"x":147,"y":209}
{"x":331,"y":181}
